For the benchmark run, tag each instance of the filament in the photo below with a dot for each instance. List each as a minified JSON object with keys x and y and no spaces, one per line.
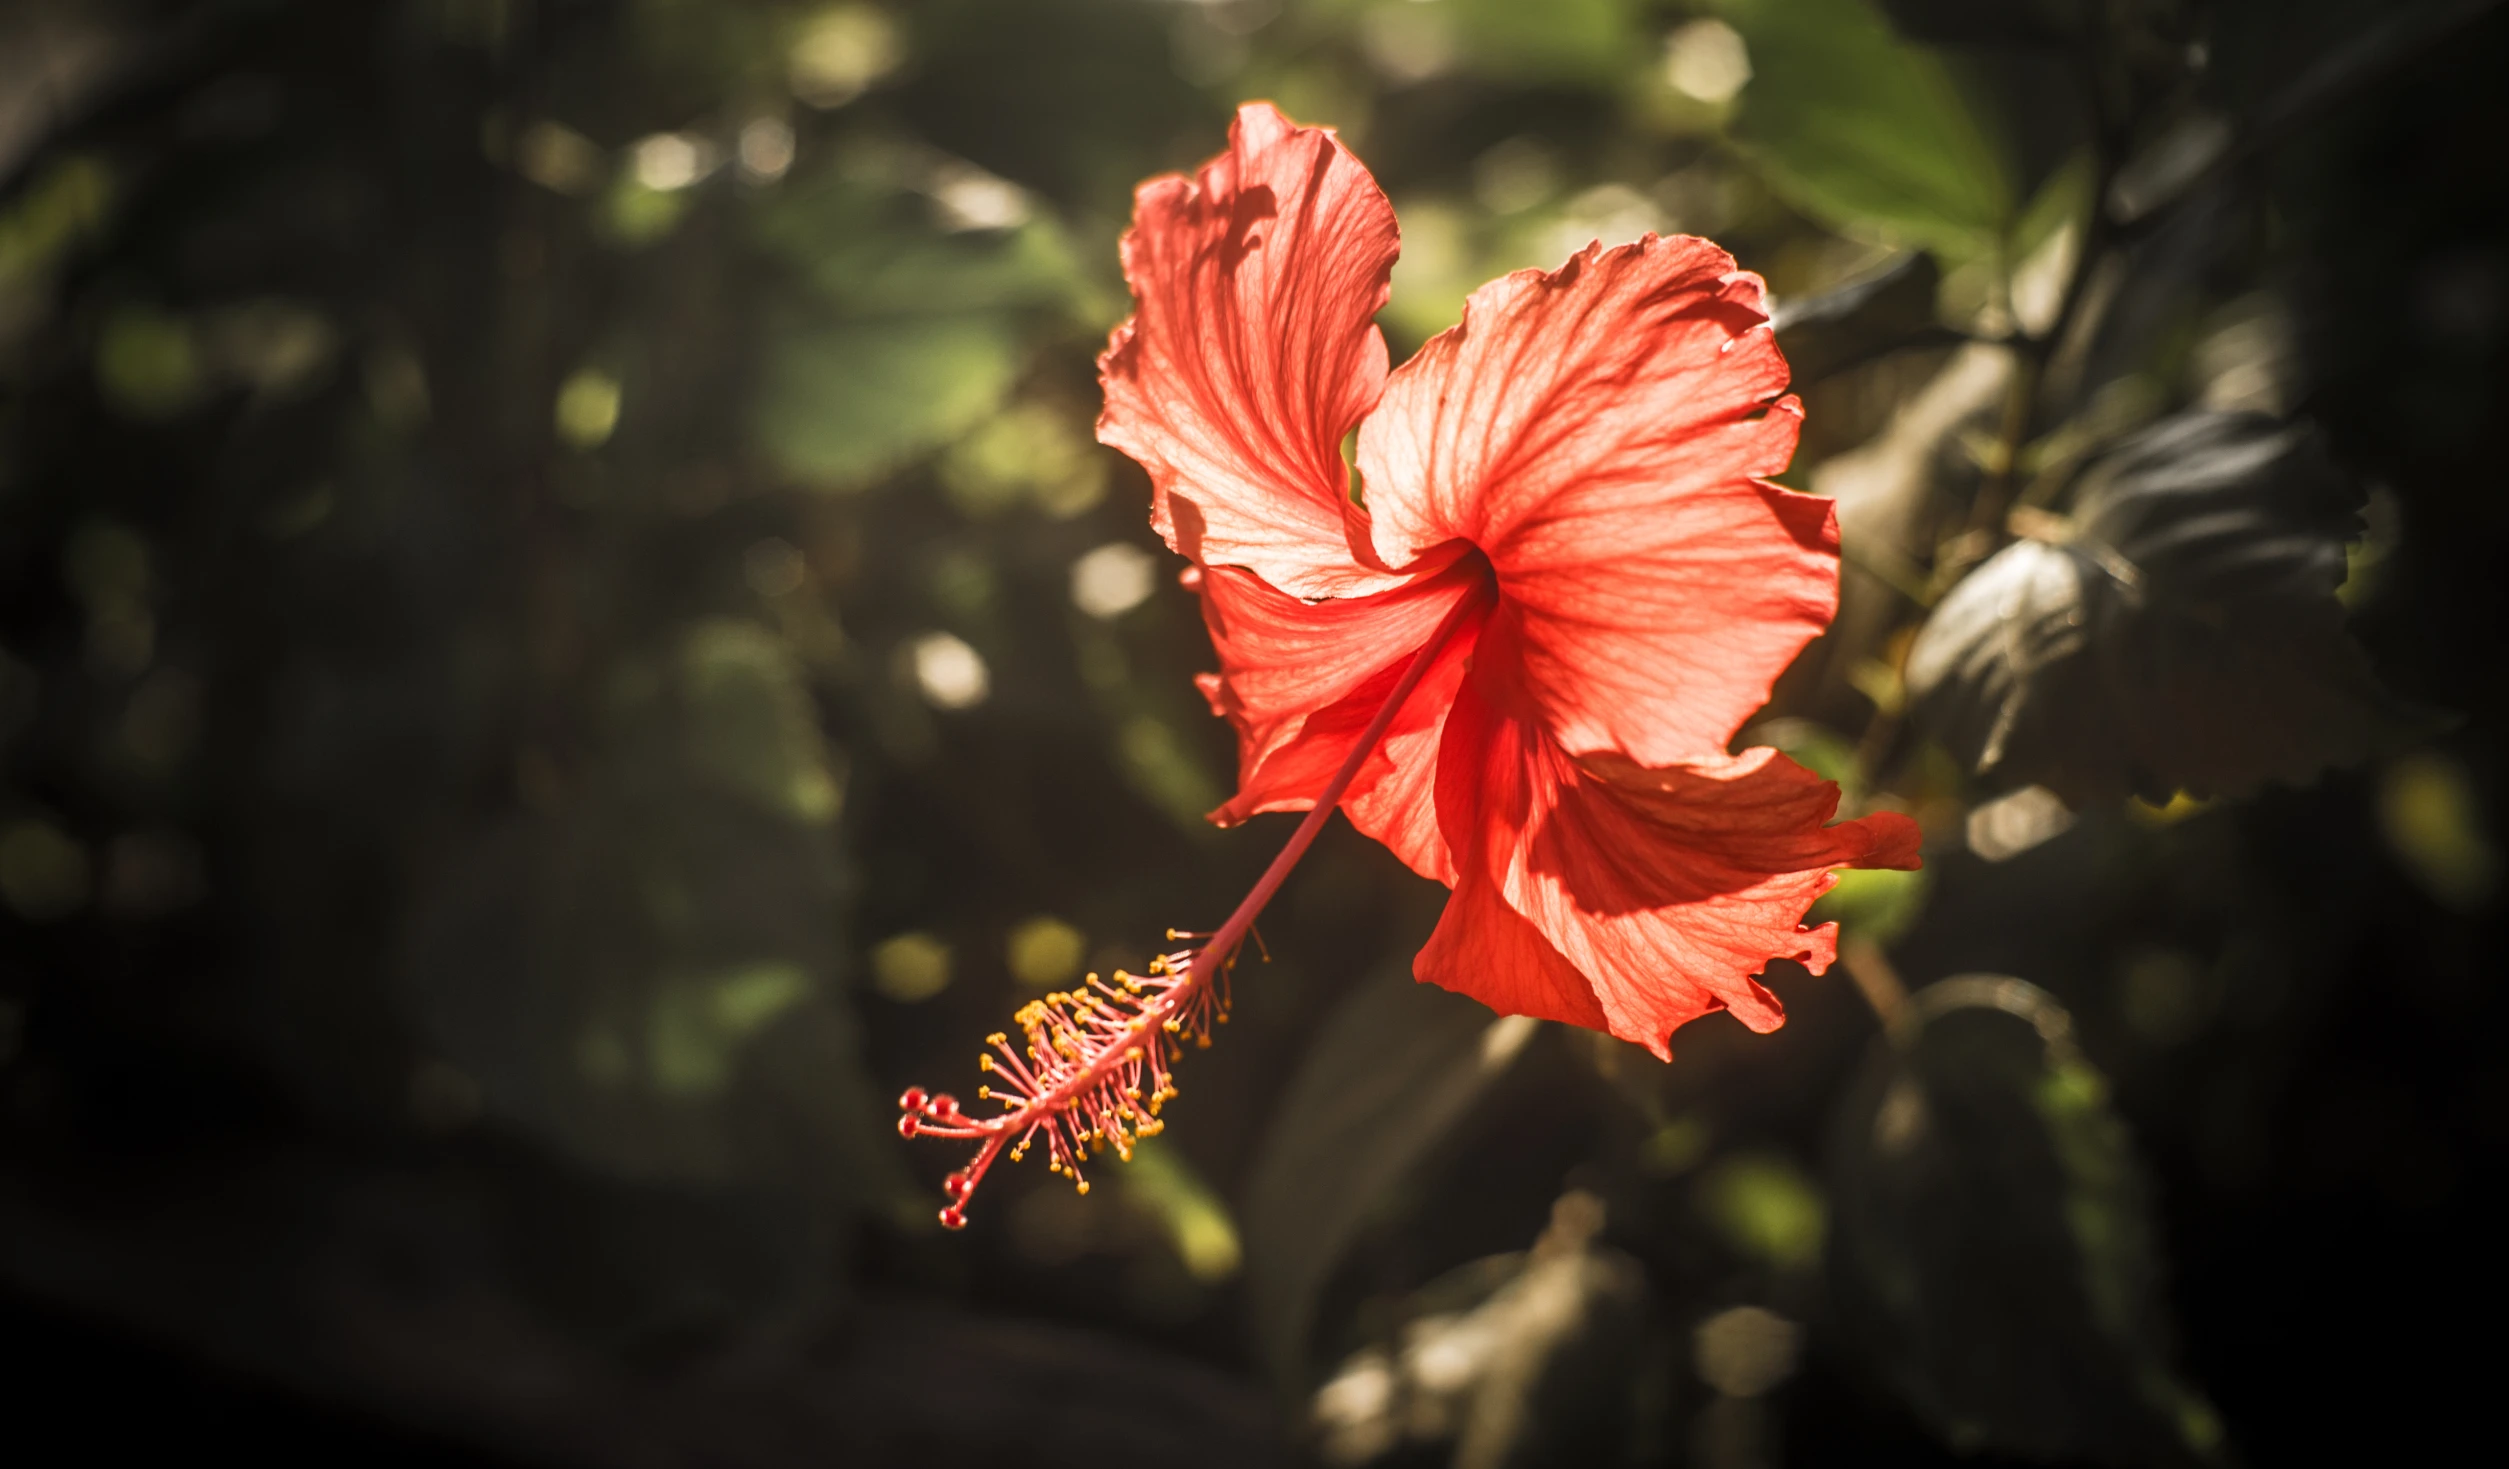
{"x":1092,"y":1066}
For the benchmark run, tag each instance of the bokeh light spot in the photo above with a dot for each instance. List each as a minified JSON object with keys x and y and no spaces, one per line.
{"x":1707,"y":60}
{"x":1766,"y":1208}
{"x":1113,"y":579}
{"x":766,"y":149}
{"x":2430,"y":814}
{"x":950,"y":674}
{"x":910,"y":968}
{"x":588,"y":408}
{"x":773,"y":567}
{"x":1044,"y":951}
{"x":667,"y":161}
{"x":1745,"y":1351}
{"x":840,"y":52}
{"x":43,"y":871}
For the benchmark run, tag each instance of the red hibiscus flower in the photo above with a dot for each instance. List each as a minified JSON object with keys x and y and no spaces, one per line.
{"x":1515,"y":652}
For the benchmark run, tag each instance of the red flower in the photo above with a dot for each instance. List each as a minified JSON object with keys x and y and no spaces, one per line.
{"x":1517,"y":659}
{"x":1581,"y":462}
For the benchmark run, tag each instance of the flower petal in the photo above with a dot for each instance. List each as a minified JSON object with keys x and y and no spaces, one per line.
{"x":1302,"y":680}
{"x":1253,"y":351}
{"x":1666,"y":888}
{"x":1599,"y":432}
{"x":1487,"y":950}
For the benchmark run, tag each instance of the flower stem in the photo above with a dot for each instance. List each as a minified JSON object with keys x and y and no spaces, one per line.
{"x":1233,"y":932}
{"x":1095,"y":1067}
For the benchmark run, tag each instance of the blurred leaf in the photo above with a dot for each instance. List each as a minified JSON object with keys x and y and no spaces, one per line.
{"x":1816,"y":747}
{"x":1887,"y":309}
{"x":872,"y":248}
{"x":2432,"y":817}
{"x":43,"y":871}
{"x":1589,"y":41}
{"x":1985,"y":22}
{"x":149,"y":363}
{"x":635,"y":215}
{"x":1519,"y":1359}
{"x":1865,"y":132}
{"x":2348,"y":47}
{"x":749,"y":722}
{"x":2063,"y":198}
{"x":844,"y":404}
{"x":1029,"y":452}
{"x":1197,"y":1224}
{"x":1993,"y":1253}
{"x":1158,"y":764}
{"x":63,"y":207}
{"x":1765,"y":1208}
{"x":644,"y":972}
{"x":927,"y":324}
{"x":1395,"y":1067}
{"x":1874,"y":904}
{"x":2182,"y":633}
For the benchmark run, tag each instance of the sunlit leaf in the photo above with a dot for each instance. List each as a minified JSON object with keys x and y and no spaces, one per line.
{"x":1392,"y":1070}
{"x":1993,"y":1253}
{"x":1866,"y":132}
{"x":2179,"y":632}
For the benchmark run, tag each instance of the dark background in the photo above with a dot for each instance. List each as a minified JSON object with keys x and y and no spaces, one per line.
{"x":563,"y":638}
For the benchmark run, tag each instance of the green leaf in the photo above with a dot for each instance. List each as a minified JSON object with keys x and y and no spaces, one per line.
{"x":1992,"y":1251}
{"x":1868,"y":133}
{"x":2180,"y":631}
{"x":1393,"y":1069}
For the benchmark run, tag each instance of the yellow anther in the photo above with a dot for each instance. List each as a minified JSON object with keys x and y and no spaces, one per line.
{"x":984,"y":1094}
{"x":1081,"y":1185}
{"x":984,"y":1063}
